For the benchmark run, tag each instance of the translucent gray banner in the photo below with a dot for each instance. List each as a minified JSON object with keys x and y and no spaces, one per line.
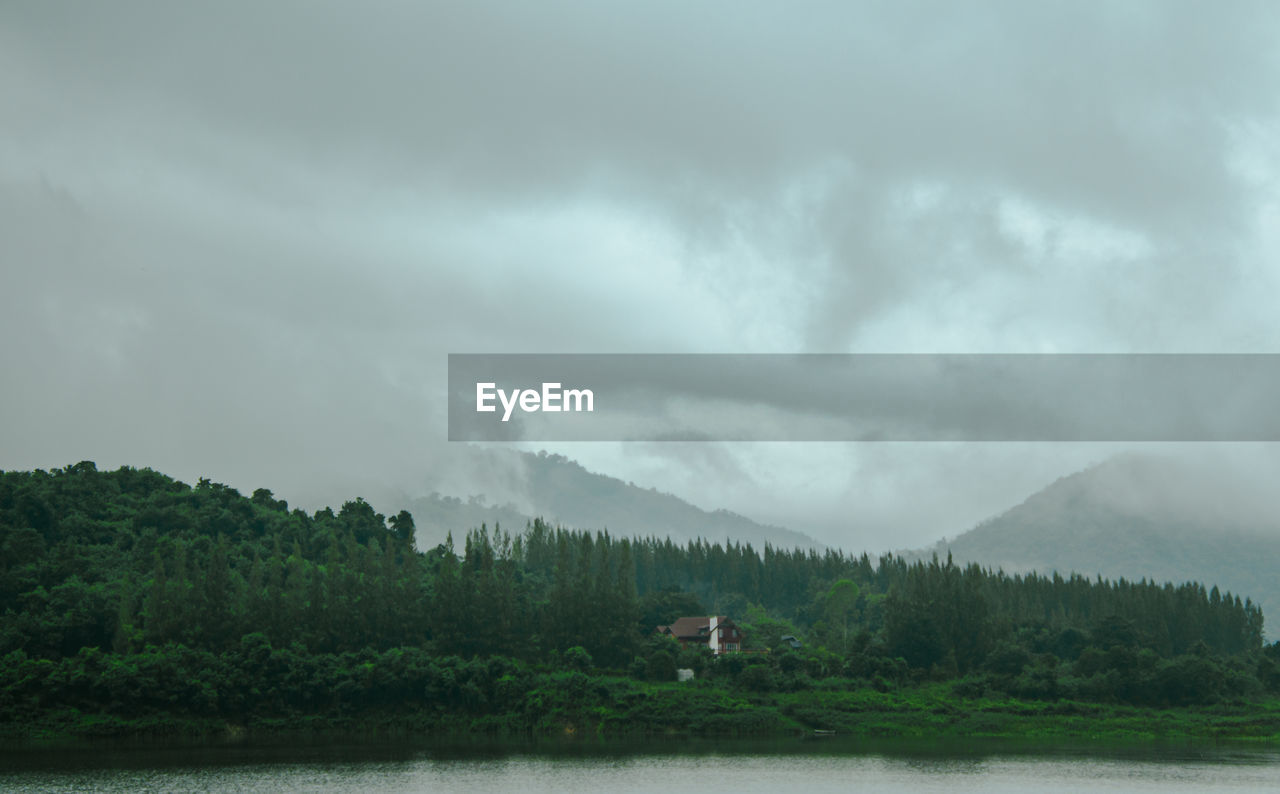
{"x":598,"y":397}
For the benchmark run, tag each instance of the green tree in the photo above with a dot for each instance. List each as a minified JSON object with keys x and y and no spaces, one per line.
{"x":402,"y":527}
{"x":839,"y":607}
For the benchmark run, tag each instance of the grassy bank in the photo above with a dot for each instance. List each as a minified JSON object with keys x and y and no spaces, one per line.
{"x":622,"y":707}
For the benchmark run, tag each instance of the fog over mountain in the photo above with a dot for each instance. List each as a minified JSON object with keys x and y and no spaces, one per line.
{"x":1205,"y":514}
{"x":1143,"y":515}
{"x":522,"y":486}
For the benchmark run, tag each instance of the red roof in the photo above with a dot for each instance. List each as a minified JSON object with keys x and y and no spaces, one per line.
{"x":695,"y":628}
{"x":691,"y":628}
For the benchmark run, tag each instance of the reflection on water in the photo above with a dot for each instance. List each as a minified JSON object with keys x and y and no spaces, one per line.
{"x":683,"y":766}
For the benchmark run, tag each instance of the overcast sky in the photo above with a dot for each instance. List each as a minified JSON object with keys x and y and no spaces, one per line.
{"x":237,"y":240}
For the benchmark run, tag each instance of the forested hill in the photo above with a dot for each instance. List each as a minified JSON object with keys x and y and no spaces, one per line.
{"x":513,"y":488}
{"x":1137,"y":516}
{"x":129,"y":595}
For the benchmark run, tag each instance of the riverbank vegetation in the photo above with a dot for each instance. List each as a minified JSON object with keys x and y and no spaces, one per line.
{"x":133,"y":603}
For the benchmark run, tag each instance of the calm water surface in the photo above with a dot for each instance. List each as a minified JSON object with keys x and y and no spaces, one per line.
{"x":802,"y":767}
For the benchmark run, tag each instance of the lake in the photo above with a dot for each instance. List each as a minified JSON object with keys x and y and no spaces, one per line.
{"x":801,"y":766}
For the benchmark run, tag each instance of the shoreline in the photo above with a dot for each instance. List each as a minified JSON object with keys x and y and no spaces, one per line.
{"x":674,"y":711}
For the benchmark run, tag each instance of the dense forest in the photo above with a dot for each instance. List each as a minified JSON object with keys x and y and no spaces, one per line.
{"x":131,"y":600}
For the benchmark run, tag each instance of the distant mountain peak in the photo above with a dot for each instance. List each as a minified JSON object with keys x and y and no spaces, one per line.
{"x":1140,"y":515}
{"x":562,"y":491}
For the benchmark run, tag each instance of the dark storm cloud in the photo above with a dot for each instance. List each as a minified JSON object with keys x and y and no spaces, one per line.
{"x":238,"y":239}
{"x":712,"y":118}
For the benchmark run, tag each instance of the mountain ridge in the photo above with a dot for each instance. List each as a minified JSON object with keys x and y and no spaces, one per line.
{"x":1133,"y":517}
{"x":562,"y":491}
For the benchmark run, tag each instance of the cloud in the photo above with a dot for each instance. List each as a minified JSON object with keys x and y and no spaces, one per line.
{"x":239,"y":240}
